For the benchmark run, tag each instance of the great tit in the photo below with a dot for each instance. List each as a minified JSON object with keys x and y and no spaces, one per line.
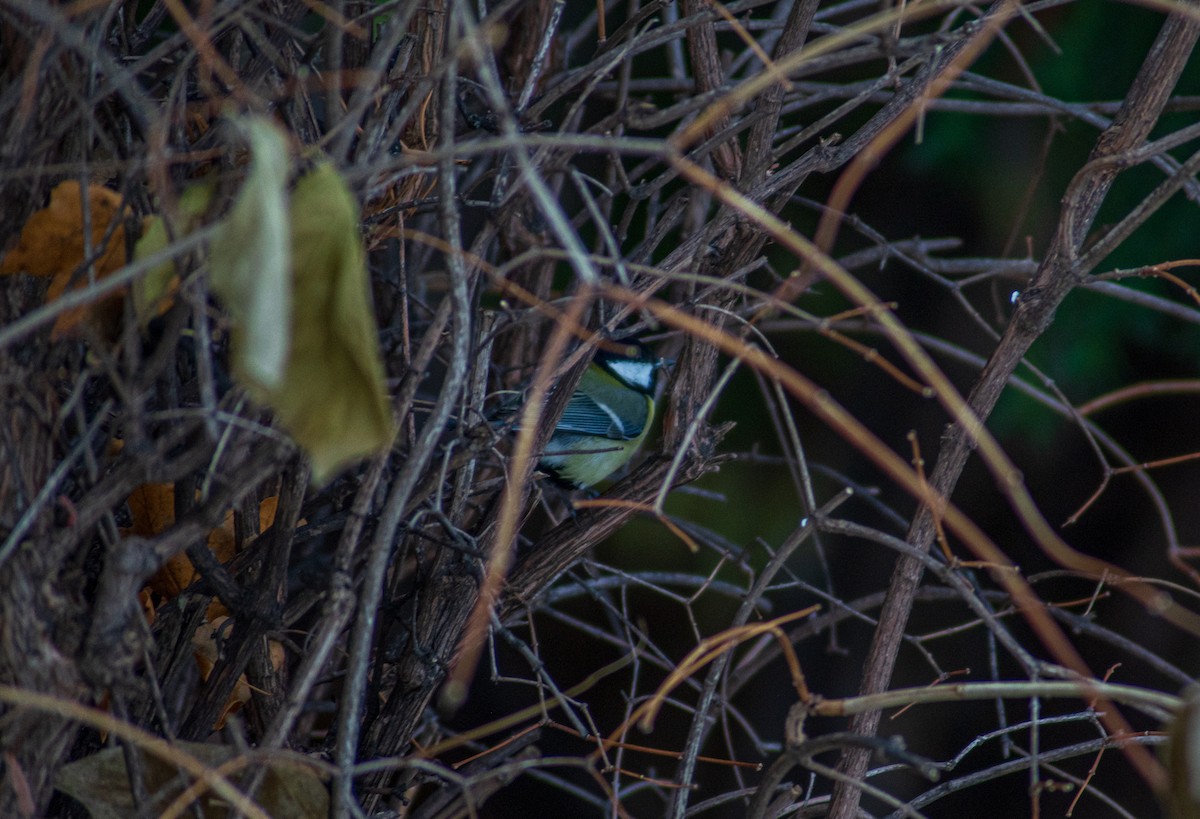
{"x":607,"y":417}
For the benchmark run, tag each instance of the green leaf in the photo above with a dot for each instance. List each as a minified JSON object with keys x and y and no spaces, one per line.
{"x":156,"y":284}
{"x":100,"y":782}
{"x":332,"y":398}
{"x":252,"y":259}
{"x":153,"y":289}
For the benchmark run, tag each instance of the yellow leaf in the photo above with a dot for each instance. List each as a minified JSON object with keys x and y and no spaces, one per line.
{"x":332,"y":398}
{"x":251,"y":257}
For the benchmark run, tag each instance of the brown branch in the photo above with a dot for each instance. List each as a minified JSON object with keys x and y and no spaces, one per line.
{"x":1054,"y":279}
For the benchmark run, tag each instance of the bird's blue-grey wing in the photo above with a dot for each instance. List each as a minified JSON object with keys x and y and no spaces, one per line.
{"x":586,"y":416}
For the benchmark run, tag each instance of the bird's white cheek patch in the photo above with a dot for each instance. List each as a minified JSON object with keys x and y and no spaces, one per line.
{"x":638,"y":373}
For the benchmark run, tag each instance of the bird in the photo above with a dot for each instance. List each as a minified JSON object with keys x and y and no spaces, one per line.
{"x":608,"y":416}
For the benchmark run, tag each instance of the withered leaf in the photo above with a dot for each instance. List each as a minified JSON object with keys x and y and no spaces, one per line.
{"x":51,"y":244}
{"x":100,"y":782}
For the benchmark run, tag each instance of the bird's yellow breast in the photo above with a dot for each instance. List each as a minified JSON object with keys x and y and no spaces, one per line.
{"x":585,"y":460}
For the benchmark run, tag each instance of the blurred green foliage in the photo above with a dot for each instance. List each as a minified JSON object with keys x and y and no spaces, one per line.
{"x":997,"y":183}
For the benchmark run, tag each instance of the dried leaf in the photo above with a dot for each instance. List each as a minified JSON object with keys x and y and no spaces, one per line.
{"x":206,"y":652}
{"x":252,"y":259}
{"x":332,"y":399}
{"x":51,"y":241}
{"x":146,"y":601}
{"x":152,"y":508}
{"x":101,"y":783}
{"x":51,"y":244}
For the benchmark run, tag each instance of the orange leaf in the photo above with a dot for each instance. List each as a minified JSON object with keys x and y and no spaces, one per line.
{"x":152,"y":506}
{"x":204,"y":649}
{"x":145,"y":599}
{"x":51,"y":244}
